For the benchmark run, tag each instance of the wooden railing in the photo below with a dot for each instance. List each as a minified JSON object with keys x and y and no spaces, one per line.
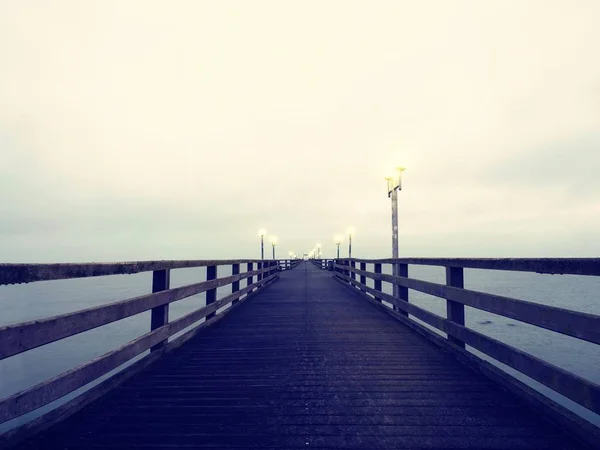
{"x":21,"y":337}
{"x":567,"y":322}
{"x":321,"y":263}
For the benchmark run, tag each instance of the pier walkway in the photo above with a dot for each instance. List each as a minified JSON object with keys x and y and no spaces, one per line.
{"x":306,"y":363}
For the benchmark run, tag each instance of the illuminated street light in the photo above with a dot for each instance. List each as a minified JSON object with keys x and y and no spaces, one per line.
{"x":319,"y":254}
{"x":350,"y":232}
{"x":262,"y":233}
{"x":338,"y":240}
{"x":394,"y":184}
{"x":274,"y":242}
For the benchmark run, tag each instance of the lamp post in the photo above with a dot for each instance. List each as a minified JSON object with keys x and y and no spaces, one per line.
{"x":262,"y":233}
{"x":350,"y":231}
{"x":274,"y":241}
{"x":319,"y":254}
{"x":338,"y":240}
{"x":394,"y":184}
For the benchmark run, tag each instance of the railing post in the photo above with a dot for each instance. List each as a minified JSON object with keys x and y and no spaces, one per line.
{"x":258,"y":267}
{"x":455,"y":312}
{"x":363,"y":278}
{"x":249,"y":280}
{"x":235,"y":286}
{"x":401,"y":291}
{"x":288,"y":265}
{"x":211,"y":294}
{"x":352,"y":274}
{"x":160,"y":314}
{"x":377,"y":282}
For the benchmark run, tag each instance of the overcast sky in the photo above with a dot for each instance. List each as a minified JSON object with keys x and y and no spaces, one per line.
{"x":161,"y":130}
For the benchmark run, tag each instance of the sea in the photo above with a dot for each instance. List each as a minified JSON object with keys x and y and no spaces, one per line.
{"x":26,"y":302}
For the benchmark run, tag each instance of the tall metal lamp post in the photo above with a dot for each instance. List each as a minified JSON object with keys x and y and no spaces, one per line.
{"x":262,"y":233}
{"x":350,"y":231}
{"x":274,"y":241}
{"x":338,"y":240}
{"x":319,"y":254}
{"x":394,"y":184}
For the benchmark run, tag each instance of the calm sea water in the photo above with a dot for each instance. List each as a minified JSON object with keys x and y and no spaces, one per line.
{"x":40,"y":300}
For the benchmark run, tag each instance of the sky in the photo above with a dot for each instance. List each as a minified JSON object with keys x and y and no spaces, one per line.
{"x":136,"y":130}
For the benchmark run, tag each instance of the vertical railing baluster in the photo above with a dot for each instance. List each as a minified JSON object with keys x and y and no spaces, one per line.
{"x":352,"y":274}
{"x":159,"y":316}
{"x":249,"y":280}
{"x":235,"y":286}
{"x":401,"y":291}
{"x":258,"y":267}
{"x":363,"y":278}
{"x":455,"y":312}
{"x":211,"y":294}
{"x":377,"y":283}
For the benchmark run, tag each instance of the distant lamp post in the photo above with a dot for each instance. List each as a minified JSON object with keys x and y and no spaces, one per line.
{"x":338,"y":240}
{"x":274,"y":242}
{"x":394,"y":184}
{"x":262,"y":233}
{"x":350,"y":232}
{"x":319,"y":254}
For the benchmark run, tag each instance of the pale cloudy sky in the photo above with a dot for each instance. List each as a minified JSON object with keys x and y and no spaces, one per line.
{"x":159,"y":130}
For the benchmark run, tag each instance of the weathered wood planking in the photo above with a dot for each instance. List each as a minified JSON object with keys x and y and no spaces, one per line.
{"x":307,"y":364}
{"x":578,"y":389}
{"x":59,"y":386}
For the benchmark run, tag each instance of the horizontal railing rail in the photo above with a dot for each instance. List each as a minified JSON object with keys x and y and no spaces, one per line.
{"x":564,"y":321}
{"x":21,"y":337}
{"x":321,"y":263}
{"x":558,"y":266}
{"x":27,"y":273}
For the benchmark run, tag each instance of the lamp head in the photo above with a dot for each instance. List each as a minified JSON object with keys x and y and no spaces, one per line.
{"x":262,"y":232}
{"x":338,"y":239}
{"x":394,"y":180}
{"x":274,"y":240}
{"x":350,"y":231}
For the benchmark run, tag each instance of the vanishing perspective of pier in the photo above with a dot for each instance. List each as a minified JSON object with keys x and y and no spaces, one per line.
{"x":305,"y":354}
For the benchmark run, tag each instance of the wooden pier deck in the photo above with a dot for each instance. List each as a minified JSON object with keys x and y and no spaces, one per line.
{"x":307,"y":363}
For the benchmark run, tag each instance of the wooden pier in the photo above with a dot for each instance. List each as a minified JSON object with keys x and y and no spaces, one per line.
{"x":305,"y":358}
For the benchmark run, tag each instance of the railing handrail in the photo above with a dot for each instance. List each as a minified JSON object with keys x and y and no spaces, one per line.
{"x":16,"y":273}
{"x":572,"y":323}
{"x":558,"y":266}
{"x":21,"y":337}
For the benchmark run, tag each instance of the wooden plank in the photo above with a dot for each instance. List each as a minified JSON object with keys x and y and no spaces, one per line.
{"x":211,"y":294}
{"x":455,"y":312}
{"x":161,"y":280}
{"x":563,"y":266}
{"x":60,"y":385}
{"x":565,"y":418}
{"x":402,"y":291}
{"x":377,"y":283}
{"x":28,"y":273}
{"x":39,"y":424}
{"x":578,"y":389}
{"x":24,"y":336}
{"x":571,"y":323}
{"x":235,"y":286}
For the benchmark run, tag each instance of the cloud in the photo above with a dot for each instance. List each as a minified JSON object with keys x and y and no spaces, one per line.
{"x":140,"y":129}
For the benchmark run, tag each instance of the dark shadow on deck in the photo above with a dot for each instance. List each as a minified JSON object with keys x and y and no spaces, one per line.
{"x":306,"y":364}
